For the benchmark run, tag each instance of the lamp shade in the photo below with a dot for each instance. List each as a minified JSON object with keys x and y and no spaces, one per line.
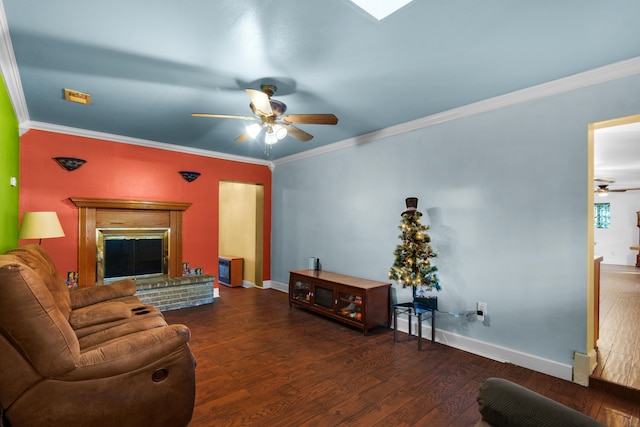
{"x":40,"y":225}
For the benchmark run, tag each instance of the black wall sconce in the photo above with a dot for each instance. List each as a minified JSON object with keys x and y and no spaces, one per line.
{"x":189,"y":176}
{"x":69,"y":163}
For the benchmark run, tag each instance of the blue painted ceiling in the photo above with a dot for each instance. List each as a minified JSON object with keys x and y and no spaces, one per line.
{"x":149,"y":64}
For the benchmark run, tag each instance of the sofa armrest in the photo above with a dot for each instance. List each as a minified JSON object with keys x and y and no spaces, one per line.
{"x":503,"y":404}
{"x":99,"y":313}
{"x":130,"y":352}
{"x":94,"y":294}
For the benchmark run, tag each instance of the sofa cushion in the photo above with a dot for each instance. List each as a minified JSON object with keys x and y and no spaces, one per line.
{"x":36,"y":258}
{"x":129,"y":352}
{"x":139,"y":311}
{"x":17,"y":374}
{"x":31,"y":320}
{"x":99,"y":313}
{"x":506,"y":404}
{"x":120,"y":330}
{"x":94,"y":294}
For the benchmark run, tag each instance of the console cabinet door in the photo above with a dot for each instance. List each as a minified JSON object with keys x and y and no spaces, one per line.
{"x":301,"y":291}
{"x":323,"y":296}
{"x":349,"y":304}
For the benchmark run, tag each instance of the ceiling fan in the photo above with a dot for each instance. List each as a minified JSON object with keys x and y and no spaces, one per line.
{"x":269,"y":115}
{"x":603,"y":190}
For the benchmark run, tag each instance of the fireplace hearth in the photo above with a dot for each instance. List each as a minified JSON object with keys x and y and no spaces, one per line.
{"x":157,"y":228}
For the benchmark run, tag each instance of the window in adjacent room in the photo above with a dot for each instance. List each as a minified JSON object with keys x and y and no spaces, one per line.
{"x":602,"y":215}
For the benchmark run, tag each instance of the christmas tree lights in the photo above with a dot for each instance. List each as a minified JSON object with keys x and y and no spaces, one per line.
{"x":412,"y":265}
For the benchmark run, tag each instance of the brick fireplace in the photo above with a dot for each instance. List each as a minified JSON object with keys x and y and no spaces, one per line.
{"x":170,"y":290}
{"x":114,"y":213}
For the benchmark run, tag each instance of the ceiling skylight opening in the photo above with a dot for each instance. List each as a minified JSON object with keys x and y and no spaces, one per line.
{"x":380,"y":9}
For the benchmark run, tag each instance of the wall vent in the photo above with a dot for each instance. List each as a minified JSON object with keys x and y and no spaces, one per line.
{"x":75,"y":96}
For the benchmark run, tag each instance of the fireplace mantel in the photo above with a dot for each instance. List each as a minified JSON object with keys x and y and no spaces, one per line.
{"x":105,"y":213}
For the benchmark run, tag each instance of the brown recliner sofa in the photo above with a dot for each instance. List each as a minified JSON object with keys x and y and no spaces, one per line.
{"x":95,"y":363}
{"x":112,"y":309}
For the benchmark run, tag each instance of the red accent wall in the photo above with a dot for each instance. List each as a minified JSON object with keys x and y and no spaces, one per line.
{"x":123,"y":171}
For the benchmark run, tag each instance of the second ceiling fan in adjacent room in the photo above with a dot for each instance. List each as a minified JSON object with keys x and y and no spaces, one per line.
{"x":603,"y":187}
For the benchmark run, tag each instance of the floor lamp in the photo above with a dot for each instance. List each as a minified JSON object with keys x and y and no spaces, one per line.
{"x":40,"y":225}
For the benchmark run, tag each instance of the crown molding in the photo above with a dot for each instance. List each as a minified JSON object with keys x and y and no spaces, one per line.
{"x":610,"y":72}
{"x":48,"y":127}
{"x":9,"y":68}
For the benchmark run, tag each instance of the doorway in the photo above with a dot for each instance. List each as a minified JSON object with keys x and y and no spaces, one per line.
{"x":614,"y":155}
{"x":241,"y":227}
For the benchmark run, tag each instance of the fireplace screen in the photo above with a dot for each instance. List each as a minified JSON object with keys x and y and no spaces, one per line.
{"x":135,"y":253}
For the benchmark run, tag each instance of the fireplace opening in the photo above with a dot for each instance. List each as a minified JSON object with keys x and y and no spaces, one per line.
{"x":131,"y":253}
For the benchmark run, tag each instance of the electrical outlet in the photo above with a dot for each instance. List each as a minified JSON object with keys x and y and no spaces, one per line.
{"x":482,"y":310}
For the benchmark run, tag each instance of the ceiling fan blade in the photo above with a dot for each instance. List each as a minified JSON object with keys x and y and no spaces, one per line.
{"x":297,"y":133}
{"x":224,"y":116}
{"x":260,"y":101}
{"x":605,"y":180}
{"x":310,"y":119}
{"x":604,"y":188}
{"x":622,"y":190}
{"x":245,"y":136}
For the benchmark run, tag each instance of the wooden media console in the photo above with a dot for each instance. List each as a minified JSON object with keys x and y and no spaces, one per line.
{"x":358,"y":302}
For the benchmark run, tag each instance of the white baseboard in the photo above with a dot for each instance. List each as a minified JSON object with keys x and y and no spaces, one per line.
{"x":583,"y":366}
{"x":279,"y":286}
{"x":481,"y":348}
{"x":492,"y":351}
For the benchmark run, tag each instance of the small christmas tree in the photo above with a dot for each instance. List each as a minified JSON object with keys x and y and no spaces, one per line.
{"x":412,"y":265}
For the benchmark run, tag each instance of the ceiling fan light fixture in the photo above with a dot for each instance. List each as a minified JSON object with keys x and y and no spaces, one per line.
{"x":270,"y":113}
{"x":253,"y":130}
{"x":270,"y":137}
{"x":280,"y":131}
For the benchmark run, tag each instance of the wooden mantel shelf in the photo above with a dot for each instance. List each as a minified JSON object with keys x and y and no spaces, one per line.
{"x":129,"y":204}
{"x":117,"y":213}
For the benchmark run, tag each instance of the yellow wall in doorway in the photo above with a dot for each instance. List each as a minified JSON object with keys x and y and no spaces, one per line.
{"x":240,"y":225}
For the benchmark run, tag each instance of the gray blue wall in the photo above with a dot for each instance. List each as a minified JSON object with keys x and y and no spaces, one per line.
{"x":506,"y":193}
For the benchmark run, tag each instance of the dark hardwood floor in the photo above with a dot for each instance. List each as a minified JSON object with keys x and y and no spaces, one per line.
{"x":261,"y":363}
